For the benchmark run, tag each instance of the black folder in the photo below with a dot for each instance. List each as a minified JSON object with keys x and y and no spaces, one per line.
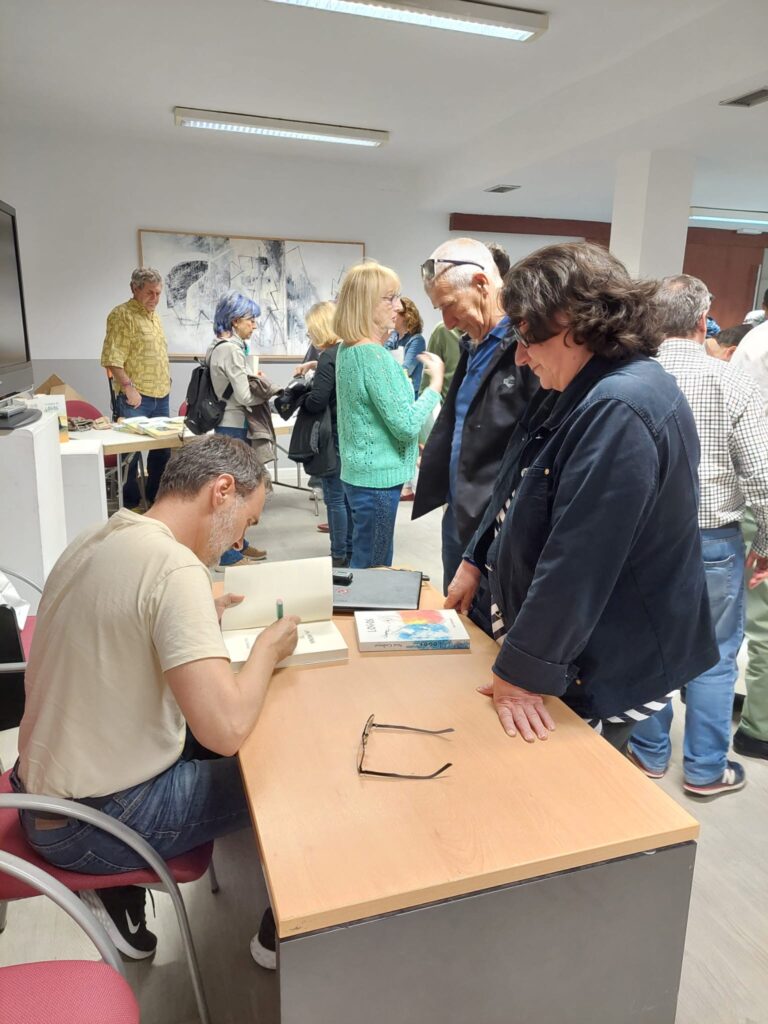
{"x":378,"y":589}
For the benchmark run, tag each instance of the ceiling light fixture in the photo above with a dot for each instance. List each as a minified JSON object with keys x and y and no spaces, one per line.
{"x":710,"y":215}
{"x":277,"y":127}
{"x":476,"y":18}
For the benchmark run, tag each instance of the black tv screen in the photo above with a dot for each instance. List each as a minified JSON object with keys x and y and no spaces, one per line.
{"x":14,"y":347}
{"x":14,"y":343}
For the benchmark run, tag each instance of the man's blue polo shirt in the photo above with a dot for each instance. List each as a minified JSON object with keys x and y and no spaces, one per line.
{"x":479,"y":358}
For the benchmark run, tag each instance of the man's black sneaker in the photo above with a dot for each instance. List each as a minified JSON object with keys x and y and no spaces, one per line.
{"x":121,"y":911}
{"x":263,"y":944}
{"x":748,"y":745}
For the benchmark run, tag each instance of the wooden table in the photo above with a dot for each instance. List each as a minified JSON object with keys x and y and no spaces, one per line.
{"x":518,"y":887}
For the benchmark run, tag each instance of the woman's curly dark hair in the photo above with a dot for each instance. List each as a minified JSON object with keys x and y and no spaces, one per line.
{"x":610,"y":313}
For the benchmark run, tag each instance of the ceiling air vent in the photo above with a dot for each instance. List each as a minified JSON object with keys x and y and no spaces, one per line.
{"x":500,"y":189}
{"x":749,"y":99}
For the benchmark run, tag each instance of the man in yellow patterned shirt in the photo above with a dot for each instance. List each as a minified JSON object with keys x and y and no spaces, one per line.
{"x":136,"y":353}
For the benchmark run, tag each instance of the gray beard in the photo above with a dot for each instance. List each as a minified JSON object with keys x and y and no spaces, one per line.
{"x":221,"y":532}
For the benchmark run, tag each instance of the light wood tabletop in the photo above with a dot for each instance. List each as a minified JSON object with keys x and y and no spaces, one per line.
{"x":340,"y":847}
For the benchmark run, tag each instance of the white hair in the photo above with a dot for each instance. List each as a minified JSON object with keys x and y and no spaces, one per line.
{"x":465,"y":249}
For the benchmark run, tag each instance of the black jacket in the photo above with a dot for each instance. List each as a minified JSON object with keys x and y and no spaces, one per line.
{"x":323,"y":393}
{"x":501,"y":399}
{"x":597,"y":567}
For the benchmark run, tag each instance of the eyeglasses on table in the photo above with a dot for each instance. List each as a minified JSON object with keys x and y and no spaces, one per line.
{"x":370,"y":725}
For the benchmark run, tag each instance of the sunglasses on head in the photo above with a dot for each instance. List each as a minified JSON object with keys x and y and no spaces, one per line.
{"x":429,"y":269}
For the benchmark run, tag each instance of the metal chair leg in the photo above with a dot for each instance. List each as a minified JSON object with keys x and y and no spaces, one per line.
{"x":213,"y":880}
{"x":3,"y":915}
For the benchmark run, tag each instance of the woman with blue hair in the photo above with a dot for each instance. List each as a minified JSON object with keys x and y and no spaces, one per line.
{"x":247,"y":414}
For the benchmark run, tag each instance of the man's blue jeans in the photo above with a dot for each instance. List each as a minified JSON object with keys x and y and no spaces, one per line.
{"x":453,"y":549}
{"x":191,"y":803}
{"x":709,"y":697}
{"x":156,"y":460}
{"x":374,"y":512}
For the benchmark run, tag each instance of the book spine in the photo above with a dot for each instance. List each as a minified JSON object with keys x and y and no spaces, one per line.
{"x":414,"y":645}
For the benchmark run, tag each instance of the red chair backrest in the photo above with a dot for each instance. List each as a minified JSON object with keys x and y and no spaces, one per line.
{"x":183,"y":409}
{"x":84,"y":409}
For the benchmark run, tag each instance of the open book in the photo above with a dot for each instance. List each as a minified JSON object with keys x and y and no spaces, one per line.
{"x":305,"y":586}
{"x":153,"y":426}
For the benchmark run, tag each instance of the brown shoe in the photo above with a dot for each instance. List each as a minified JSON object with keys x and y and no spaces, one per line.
{"x":323,"y":528}
{"x":254,"y":554}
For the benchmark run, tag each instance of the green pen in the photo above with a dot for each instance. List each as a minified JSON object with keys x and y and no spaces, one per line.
{"x":279,"y":608}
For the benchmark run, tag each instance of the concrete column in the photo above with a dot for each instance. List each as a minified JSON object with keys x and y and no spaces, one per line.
{"x":651,"y":203}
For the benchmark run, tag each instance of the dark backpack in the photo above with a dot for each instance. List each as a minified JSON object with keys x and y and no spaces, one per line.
{"x":205,"y":409}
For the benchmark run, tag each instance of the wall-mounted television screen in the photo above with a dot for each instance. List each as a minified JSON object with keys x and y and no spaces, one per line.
{"x":15,"y":367}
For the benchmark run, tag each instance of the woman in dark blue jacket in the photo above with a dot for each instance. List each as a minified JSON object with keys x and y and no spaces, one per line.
{"x":591,"y":543}
{"x":319,"y":322}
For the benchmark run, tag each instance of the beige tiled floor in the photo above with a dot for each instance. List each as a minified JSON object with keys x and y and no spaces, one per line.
{"x":725,"y":972}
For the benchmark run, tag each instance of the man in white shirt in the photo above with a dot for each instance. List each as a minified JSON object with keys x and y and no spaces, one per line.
{"x":127,"y":653}
{"x":733,"y":472}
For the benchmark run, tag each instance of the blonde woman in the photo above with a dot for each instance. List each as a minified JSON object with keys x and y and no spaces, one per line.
{"x":319,"y":322}
{"x":378,"y":417}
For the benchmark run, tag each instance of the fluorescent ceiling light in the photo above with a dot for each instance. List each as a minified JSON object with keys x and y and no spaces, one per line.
{"x":277,"y":127}
{"x":710,"y":215}
{"x":477,"y":18}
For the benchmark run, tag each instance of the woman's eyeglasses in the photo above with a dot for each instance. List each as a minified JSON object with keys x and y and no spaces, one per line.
{"x":515,"y":334}
{"x":370,"y":725}
{"x":429,"y":267}
{"x":392,"y":299}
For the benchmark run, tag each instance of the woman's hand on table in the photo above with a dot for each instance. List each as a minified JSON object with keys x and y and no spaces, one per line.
{"x":519,"y":710}
{"x":463,"y":587}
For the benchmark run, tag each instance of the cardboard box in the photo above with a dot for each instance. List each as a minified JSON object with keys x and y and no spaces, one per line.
{"x":54,"y":385}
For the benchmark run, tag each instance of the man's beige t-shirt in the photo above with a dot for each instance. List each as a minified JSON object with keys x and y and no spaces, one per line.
{"x":124,"y":603}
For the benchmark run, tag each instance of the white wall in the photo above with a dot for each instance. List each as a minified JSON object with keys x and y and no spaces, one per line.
{"x":81,"y":200}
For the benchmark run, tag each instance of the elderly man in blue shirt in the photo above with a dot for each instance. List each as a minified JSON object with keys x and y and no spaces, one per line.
{"x":487,"y":397}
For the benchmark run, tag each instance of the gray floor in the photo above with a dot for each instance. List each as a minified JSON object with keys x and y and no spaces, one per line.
{"x":725,"y":972}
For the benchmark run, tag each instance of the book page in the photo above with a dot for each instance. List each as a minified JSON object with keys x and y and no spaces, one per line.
{"x":305,"y":586}
{"x":317,"y":642}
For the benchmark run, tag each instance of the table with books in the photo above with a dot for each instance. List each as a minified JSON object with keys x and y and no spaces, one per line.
{"x":144,"y":435}
{"x":525,"y":882}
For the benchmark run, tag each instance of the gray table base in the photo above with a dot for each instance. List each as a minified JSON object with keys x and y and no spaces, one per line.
{"x":598,"y":945}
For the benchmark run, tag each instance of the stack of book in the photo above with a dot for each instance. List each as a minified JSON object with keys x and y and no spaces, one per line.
{"x":153,"y":426}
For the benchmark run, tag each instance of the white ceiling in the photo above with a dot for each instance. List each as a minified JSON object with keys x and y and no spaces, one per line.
{"x":464,"y":112}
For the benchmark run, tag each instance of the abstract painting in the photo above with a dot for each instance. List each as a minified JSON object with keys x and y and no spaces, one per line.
{"x":285,"y":276}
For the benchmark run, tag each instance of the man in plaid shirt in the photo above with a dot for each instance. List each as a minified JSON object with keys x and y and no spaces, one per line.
{"x":728,"y":409}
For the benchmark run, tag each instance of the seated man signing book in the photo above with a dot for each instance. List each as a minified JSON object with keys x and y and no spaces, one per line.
{"x":127,"y":653}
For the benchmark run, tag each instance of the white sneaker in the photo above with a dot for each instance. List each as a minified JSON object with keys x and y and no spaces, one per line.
{"x":263,"y":943}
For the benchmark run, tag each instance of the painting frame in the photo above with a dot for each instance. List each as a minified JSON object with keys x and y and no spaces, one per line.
{"x":284,"y":275}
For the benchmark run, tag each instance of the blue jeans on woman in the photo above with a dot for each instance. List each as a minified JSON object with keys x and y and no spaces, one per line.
{"x":233,"y":556}
{"x":156,"y":459}
{"x":195,"y":800}
{"x":374,"y":512}
{"x":709,"y":697}
{"x":339,"y":517}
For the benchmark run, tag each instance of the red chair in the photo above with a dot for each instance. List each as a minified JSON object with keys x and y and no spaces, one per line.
{"x":76,"y":407}
{"x":186,"y":868}
{"x":183,"y":409}
{"x":63,"y":991}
